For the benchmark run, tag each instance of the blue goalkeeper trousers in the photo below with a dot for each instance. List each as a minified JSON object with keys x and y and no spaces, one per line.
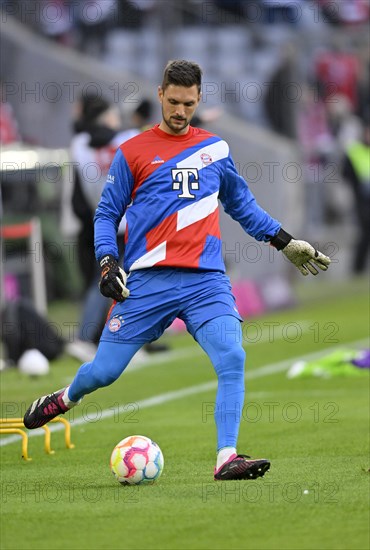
{"x":221,"y":339}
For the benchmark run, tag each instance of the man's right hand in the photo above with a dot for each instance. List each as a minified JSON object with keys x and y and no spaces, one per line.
{"x":113,"y":279}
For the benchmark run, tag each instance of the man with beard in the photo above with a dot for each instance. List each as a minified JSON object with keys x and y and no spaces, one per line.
{"x":167,"y":181}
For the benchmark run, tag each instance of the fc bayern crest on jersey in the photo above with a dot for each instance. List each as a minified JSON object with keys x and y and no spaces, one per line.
{"x":206,"y":158}
{"x":114,"y":324}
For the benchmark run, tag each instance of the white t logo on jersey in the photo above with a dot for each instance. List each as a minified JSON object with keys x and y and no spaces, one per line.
{"x":180,"y":180}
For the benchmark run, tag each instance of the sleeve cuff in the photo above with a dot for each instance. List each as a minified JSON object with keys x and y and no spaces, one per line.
{"x":281,"y":239}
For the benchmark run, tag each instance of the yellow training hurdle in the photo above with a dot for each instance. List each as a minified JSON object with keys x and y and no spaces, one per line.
{"x":16,"y":426}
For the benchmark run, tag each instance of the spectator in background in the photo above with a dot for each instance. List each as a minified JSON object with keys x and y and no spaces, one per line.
{"x":56,"y":20}
{"x":280,"y":106}
{"x":142,"y":115}
{"x":94,"y":132}
{"x":344,"y":125}
{"x":356,"y":171}
{"x":317,"y":144}
{"x":337,"y":72}
{"x":345,"y":128}
{"x":98,"y":135}
{"x":94,"y":21}
{"x":363,"y":81}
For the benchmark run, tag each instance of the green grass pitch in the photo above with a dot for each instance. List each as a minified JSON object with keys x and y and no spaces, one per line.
{"x":315,"y":431}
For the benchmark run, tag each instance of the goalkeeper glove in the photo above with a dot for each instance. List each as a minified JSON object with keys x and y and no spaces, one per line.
{"x":113,"y":279}
{"x":300,"y":253}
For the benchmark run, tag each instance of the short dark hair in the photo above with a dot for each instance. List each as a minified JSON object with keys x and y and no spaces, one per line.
{"x":182,"y":73}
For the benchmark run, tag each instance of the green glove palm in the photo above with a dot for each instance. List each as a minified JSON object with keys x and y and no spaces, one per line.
{"x":303,"y":256}
{"x":300,"y":253}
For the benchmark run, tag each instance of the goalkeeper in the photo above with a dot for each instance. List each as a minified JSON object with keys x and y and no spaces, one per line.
{"x":168,"y":181}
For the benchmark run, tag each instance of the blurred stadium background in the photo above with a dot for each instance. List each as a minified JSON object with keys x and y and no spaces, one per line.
{"x":285,"y":83}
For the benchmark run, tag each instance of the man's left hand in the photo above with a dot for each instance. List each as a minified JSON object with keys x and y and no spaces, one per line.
{"x":303,"y":256}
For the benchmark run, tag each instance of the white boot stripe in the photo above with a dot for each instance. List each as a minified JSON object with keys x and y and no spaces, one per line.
{"x":37,"y":403}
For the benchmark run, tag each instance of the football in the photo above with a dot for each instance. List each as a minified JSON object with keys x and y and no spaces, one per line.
{"x":136,"y":460}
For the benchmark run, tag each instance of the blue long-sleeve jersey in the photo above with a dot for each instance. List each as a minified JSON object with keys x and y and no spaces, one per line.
{"x":169,"y":187}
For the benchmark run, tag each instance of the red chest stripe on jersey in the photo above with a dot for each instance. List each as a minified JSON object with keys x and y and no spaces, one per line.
{"x":163,"y":232}
{"x":184,"y":247}
{"x":143,"y":152}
